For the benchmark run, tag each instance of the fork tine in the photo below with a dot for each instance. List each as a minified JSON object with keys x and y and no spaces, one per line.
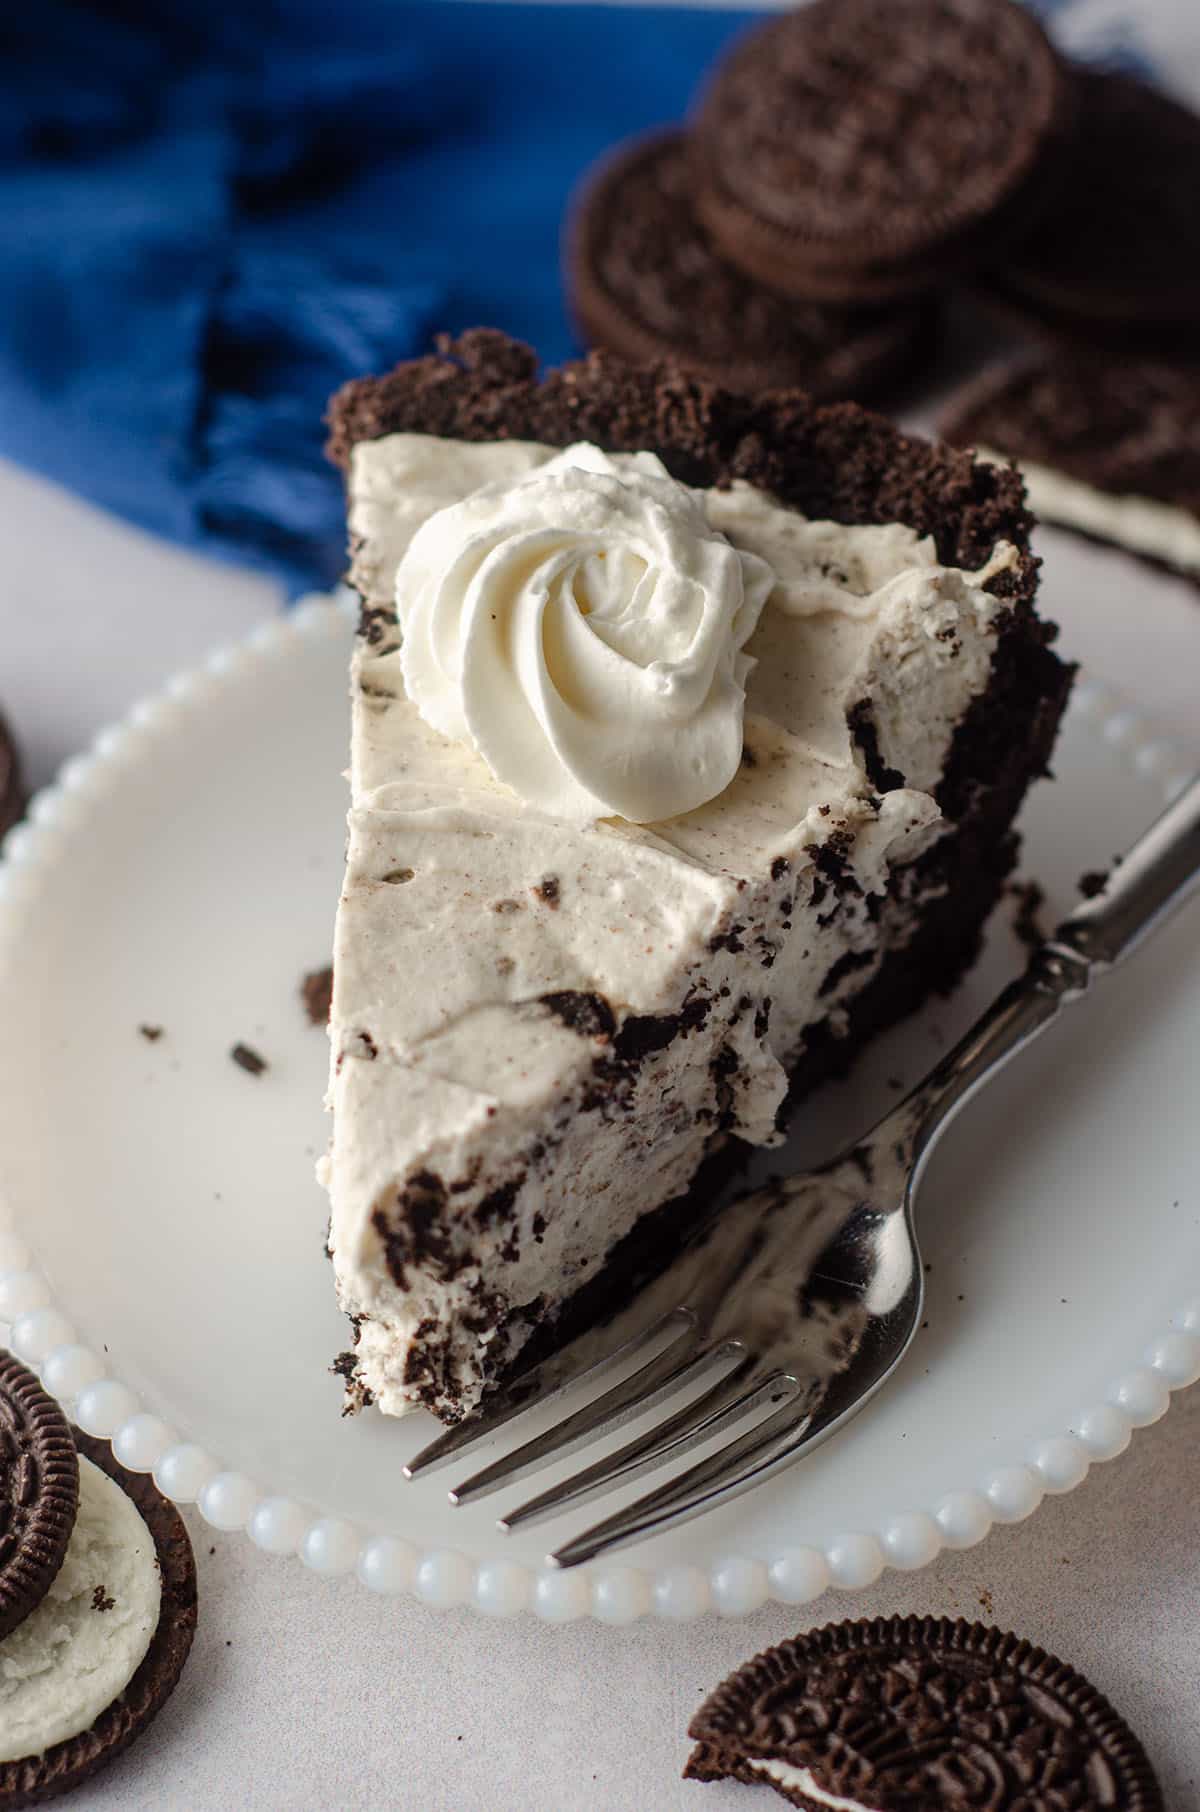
{"x":667,"y":1372}
{"x":734,"y":1468}
{"x":533,"y":1390}
{"x":734,"y":1396}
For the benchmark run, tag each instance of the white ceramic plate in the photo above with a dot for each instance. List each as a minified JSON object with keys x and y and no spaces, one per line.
{"x":161,"y":1257}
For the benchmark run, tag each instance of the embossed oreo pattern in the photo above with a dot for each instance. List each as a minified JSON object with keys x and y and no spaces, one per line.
{"x":907,"y":1713}
{"x":39,"y":1491}
{"x":648,"y":282}
{"x":856,"y":149}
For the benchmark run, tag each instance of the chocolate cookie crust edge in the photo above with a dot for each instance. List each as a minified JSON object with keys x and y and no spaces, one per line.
{"x":831,"y":460}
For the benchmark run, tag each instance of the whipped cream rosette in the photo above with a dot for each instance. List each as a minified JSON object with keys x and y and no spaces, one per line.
{"x":585,"y":631}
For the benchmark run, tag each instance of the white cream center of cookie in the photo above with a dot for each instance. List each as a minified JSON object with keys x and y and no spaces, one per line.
{"x":800,"y":1780}
{"x":78,"y":1650}
{"x":584,"y":630}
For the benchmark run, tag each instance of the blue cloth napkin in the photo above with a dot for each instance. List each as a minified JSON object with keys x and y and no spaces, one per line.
{"x":211,"y":216}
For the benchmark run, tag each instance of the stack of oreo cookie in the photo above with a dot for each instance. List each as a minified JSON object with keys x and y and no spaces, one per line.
{"x":849,"y":165}
{"x":97,"y":1598}
{"x":842,"y":166}
{"x":649,"y":281}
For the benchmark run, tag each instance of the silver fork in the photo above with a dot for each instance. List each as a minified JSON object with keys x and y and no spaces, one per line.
{"x":796,"y":1302}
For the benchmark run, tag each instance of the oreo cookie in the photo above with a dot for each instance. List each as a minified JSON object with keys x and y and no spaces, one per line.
{"x":861,"y":150}
{"x":119,"y":1618}
{"x":12,"y":796}
{"x":898,"y":1713}
{"x":39,"y":1491}
{"x":647,"y":282}
{"x":1116,"y":262}
{"x":1109,"y":447}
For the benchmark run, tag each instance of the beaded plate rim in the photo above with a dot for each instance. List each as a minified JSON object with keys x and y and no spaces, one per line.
{"x":41,"y":1335}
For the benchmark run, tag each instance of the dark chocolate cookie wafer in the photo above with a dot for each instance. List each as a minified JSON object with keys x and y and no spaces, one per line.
{"x":856,"y":150}
{"x":1117,"y":259}
{"x":12,"y":797}
{"x":39,"y":1490}
{"x":647,"y":282}
{"x":1111,"y":446}
{"x":903,"y":1714}
{"x":66,"y":1765}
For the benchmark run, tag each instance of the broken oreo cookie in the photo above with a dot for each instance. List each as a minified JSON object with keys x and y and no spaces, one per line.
{"x":896,"y":1714}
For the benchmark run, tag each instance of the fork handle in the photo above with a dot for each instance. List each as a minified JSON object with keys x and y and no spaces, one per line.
{"x":1160,"y":872}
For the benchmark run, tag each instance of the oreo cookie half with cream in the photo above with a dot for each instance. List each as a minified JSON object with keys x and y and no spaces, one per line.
{"x":39,"y":1489}
{"x":89,"y":1664}
{"x":1108,"y":447}
{"x":906,"y":1714}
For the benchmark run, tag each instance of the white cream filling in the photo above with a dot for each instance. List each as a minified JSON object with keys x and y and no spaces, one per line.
{"x":1143,"y":525}
{"x":801,"y":1781}
{"x":444,"y":1061}
{"x":78,"y":1650}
